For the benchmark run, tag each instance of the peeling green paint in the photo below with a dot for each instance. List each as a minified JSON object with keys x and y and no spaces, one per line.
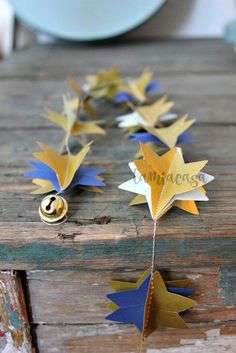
{"x":13,"y":315}
{"x":199,"y":251}
{"x":228,"y":285}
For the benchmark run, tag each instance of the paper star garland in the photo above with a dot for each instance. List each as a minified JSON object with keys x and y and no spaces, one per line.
{"x":166,"y":179}
{"x":152,"y":115}
{"x":137,"y":90}
{"x":149,"y":304}
{"x":62,"y":172}
{"x":110,"y":85}
{"x":72,"y":125}
{"x":162,"y":181}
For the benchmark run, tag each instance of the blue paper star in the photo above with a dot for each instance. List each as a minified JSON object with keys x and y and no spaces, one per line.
{"x":131,"y":305}
{"x":123,"y":97}
{"x":84,"y":176}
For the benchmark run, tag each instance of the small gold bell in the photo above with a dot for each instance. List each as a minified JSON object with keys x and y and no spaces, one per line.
{"x":53,"y":209}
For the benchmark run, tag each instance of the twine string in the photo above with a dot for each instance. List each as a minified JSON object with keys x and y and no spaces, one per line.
{"x":141,"y":344}
{"x":154,"y":245}
{"x":67,"y":144}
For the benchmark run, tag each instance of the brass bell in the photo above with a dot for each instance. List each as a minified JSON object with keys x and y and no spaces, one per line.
{"x":53,"y":209}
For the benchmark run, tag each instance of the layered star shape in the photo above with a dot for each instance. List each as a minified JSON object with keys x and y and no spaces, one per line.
{"x":149,"y":305}
{"x":165,"y":179}
{"x":63,"y":172}
{"x":151,"y":115}
{"x":71,"y":124}
{"x":104,"y":84}
{"x":167,"y":136}
{"x":82,"y":99}
{"x":179,"y":286}
{"x":138,"y":89}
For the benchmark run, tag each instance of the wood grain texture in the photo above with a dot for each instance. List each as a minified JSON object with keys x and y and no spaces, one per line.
{"x":168,"y":57}
{"x":78,"y":297}
{"x":69,"y":311}
{"x":14,"y":326}
{"x":27,"y":243}
{"x":209,"y":98}
{"x":113,"y":339}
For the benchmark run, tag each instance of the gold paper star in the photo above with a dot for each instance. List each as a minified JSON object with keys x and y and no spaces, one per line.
{"x":118,"y":286}
{"x":170,"y":134}
{"x":185,"y":205}
{"x":137,"y":87}
{"x":177,"y":176}
{"x":104,"y":84}
{"x":163,"y":308}
{"x":65,"y":166}
{"x":167,"y":181}
{"x":82,"y":101}
{"x":71,"y":124}
{"x":122,"y":285}
{"x":152,"y":113}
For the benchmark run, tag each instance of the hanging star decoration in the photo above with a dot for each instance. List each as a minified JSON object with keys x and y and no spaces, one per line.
{"x":71,"y":124}
{"x":153,"y":115}
{"x":82,"y":101}
{"x":61,"y":173}
{"x":163,"y":181}
{"x":149,"y":304}
{"x":137,"y":90}
{"x":166,"y":181}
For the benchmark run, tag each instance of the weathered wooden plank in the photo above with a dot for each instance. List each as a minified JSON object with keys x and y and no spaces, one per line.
{"x":14,"y":326}
{"x":176,"y":223}
{"x":119,"y":253}
{"x":207,"y":109}
{"x":227,"y":284}
{"x":27,"y":243}
{"x":112,"y":339}
{"x":166,"y":57}
{"x":130,"y":227}
{"x":78,"y":297}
